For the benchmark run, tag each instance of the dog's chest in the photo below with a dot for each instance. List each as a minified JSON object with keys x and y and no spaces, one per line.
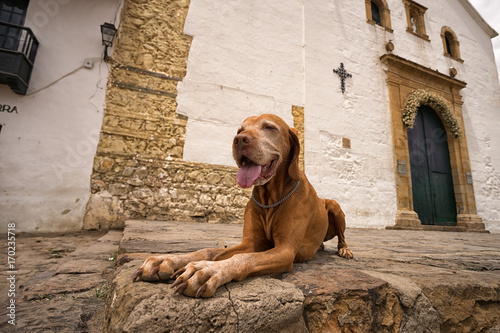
{"x":268,"y":222}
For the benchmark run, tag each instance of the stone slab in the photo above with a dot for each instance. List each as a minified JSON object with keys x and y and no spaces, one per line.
{"x":60,"y":282}
{"x":176,"y":237}
{"x":398,"y":281}
{"x":328,"y":281}
{"x":63,"y":284}
{"x":85,"y":266}
{"x":112,"y":236}
{"x":96,"y":251}
{"x":257,"y":305}
{"x":62,"y":314}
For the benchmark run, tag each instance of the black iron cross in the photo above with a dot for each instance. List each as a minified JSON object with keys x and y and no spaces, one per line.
{"x":343,"y":75}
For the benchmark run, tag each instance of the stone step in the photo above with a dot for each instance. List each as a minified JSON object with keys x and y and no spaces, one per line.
{"x":409,"y":281}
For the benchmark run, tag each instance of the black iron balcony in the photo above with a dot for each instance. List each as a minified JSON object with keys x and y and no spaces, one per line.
{"x":18,"y":46}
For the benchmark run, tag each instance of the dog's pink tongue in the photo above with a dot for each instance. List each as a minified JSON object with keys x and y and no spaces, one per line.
{"x":248,"y":174}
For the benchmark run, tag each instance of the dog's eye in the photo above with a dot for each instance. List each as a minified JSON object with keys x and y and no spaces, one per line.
{"x":239,"y":131}
{"x":269,"y":127}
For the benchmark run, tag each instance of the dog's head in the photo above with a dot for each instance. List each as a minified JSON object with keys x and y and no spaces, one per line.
{"x":264,"y":147}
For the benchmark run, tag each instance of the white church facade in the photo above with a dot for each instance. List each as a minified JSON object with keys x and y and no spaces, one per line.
{"x":396,"y":102}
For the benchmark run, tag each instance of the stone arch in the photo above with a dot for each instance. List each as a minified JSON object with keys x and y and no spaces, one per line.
{"x":420,"y":97}
{"x":451,"y":46}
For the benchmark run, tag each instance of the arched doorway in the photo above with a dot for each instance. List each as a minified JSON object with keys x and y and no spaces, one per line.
{"x":411,"y":85}
{"x":431,"y":175}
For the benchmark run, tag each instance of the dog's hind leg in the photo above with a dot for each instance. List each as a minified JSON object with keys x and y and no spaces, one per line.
{"x":336,"y":227}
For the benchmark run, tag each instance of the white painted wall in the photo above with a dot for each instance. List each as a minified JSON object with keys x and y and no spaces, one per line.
{"x":361,"y":179}
{"x":482,"y":115}
{"x":47,"y":148}
{"x":246,"y":58}
{"x":257,"y":57}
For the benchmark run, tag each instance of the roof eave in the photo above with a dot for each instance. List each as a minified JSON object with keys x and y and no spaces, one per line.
{"x":478,"y":18}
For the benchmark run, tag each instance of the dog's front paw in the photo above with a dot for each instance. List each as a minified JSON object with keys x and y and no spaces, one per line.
{"x":156,"y":268}
{"x":201,"y":278}
{"x":345,"y":252}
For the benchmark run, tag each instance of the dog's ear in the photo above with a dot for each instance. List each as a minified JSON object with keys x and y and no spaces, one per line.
{"x":293,"y":168}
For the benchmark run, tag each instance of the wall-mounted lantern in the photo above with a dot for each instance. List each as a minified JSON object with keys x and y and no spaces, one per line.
{"x":108,"y":31}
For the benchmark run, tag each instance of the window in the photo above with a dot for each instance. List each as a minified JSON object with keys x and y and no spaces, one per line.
{"x":11,"y":12}
{"x":415,"y":17}
{"x":377,"y":13}
{"x":451,"y":46}
{"x":448,"y":44}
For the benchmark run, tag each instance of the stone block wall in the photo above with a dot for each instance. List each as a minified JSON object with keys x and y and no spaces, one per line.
{"x":156,"y":189}
{"x":298,"y":123}
{"x":138,"y":169}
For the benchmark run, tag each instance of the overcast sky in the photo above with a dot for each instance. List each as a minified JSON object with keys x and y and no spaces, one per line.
{"x":490,"y":11}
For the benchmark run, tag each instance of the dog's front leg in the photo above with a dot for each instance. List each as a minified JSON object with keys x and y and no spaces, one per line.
{"x":202,"y":278}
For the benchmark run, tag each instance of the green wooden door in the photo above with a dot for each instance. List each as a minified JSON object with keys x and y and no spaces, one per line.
{"x":432,"y":181}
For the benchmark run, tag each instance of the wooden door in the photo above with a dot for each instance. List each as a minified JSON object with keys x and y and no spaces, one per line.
{"x":432,"y":181}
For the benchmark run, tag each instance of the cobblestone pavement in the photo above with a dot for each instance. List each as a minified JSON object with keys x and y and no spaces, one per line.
{"x":60,"y":281}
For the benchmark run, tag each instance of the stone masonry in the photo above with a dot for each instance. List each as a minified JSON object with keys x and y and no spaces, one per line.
{"x":298,"y":123}
{"x":138,"y":168}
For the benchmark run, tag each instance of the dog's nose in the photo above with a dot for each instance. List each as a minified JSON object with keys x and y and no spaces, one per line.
{"x":242,"y":139}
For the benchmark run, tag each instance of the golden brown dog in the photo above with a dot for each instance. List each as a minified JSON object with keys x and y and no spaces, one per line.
{"x":285,"y":222}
